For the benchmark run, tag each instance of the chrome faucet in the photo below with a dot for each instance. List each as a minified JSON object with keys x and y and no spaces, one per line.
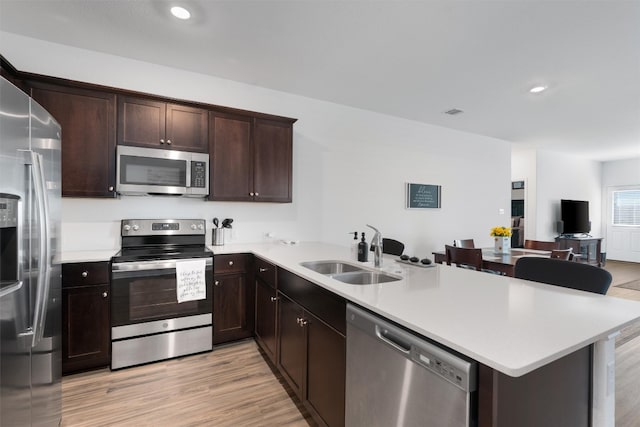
{"x":377,"y":243}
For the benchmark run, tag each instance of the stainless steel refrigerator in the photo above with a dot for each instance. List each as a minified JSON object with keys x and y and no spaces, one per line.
{"x":30,"y":285}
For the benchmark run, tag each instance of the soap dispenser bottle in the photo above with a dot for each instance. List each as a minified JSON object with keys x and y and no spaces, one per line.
{"x":363,"y":250}
{"x":354,"y":246}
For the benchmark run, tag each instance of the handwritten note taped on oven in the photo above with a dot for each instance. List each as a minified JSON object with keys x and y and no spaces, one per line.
{"x":190,"y":280}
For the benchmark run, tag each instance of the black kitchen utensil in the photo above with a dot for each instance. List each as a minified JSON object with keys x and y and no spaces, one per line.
{"x":226,"y":223}
{"x":215,"y":222}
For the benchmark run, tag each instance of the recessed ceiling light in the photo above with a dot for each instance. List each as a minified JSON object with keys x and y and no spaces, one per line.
{"x":180,"y":12}
{"x":538,"y":89}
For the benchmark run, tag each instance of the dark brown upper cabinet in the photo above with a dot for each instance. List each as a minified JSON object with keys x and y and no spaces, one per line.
{"x":251,"y":158}
{"x":87,"y":118}
{"x":148,"y":123}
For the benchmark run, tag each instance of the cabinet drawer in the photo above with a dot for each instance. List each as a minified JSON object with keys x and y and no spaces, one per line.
{"x":233,"y":263}
{"x":265,"y":271}
{"x":85,"y":273}
{"x":327,"y":306}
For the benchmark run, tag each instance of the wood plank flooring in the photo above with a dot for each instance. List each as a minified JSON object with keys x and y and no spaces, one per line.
{"x":231,"y":386}
{"x":234,"y":386}
{"x":627,"y":353}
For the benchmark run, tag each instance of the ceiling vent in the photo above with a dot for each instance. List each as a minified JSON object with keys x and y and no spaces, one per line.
{"x":453,"y":112}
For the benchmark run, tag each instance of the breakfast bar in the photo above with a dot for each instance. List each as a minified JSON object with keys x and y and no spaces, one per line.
{"x":513,"y":328}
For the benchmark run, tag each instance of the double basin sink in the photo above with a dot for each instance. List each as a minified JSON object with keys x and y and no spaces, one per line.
{"x":349,"y":273}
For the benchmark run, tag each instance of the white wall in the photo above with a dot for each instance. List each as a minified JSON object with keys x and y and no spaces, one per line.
{"x":562,"y":176}
{"x":621,"y":173}
{"x":350,"y":165}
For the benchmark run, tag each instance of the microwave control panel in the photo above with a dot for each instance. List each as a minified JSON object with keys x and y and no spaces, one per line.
{"x":198,"y":174}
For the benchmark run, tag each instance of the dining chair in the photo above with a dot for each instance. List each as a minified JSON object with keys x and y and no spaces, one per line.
{"x":464,"y":257}
{"x":565,"y":254}
{"x":540,"y":245}
{"x":391,"y":247}
{"x":464,"y":243}
{"x":568,"y":274}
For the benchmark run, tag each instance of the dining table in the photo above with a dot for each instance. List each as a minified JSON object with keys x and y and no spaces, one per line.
{"x":501,"y":263}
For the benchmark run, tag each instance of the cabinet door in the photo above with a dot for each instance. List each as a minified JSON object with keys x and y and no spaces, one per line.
{"x":230,"y":320}
{"x":272,"y":161}
{"x":230,"y":157}
{"x":141,"y":122}
{"x":326,"y":371}
{"x":86,"y":329}
{"x":186,"y":128}
{"x":292,"y":347}
{"x":265,"y":319}
{"x":88,"y":138}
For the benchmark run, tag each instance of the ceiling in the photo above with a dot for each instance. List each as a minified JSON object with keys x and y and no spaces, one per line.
{"x":411,"y":59}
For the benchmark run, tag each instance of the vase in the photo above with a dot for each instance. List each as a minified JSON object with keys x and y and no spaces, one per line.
{"x":502,"y":244}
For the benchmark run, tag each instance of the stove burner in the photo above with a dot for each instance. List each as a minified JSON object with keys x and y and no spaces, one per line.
{"x":158,"y":239}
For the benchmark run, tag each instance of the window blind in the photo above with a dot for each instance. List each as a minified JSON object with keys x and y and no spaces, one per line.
{"x":626,"y":207}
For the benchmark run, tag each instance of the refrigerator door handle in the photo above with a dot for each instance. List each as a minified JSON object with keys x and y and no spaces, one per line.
{"x":43,"y":282}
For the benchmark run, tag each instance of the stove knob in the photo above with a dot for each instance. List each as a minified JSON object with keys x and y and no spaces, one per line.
{"x":127,"y":227}
{"x":200,"y":227}
{"x":193,"y":226}
{"x":136,"y":228}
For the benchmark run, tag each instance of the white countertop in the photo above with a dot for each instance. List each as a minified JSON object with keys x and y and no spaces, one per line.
{"x":511,"y":325}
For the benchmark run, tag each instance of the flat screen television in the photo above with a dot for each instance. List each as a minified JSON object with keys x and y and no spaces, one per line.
{"x":575,"y":216}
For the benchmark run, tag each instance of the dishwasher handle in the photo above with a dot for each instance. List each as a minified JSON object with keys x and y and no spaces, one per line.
{"x":394,"y":341}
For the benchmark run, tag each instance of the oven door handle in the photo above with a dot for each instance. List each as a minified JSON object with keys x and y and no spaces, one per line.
{"x":165,"y":264}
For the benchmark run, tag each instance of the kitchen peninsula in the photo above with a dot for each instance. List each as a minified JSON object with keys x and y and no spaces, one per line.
{"x":513,"y":328}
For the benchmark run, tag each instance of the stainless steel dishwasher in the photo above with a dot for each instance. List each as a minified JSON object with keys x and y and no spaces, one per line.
{"x":395,"y":378}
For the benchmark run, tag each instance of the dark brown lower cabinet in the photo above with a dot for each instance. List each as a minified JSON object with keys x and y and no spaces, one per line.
{"x":86,"y":332}
{"x":86,"y":321}
{"x":326,"y":371}
{"x":557,"y":394}
{"x":231,"y":320}
{"x":312,"y":346}
{"x":292,"y":350}
{"x":265,"y":320}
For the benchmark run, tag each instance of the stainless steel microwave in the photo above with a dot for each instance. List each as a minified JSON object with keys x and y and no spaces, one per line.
{"x":150,"y":171}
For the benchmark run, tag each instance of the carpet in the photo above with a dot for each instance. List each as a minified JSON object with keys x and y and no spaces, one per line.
{"x":634,"y":284}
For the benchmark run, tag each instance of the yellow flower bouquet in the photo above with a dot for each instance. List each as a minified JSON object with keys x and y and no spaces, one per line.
{"x":501,"y":232}
{"x":502,"y":241}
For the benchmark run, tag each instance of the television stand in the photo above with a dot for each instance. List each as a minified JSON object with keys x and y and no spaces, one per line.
{"x":588,"y":247}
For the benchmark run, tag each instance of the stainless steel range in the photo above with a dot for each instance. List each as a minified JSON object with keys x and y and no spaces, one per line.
{"x":161,"y":294}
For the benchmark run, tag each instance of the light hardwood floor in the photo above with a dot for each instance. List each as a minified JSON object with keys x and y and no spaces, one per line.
{"x":234,"y":386}
{"x":627,"y":354}
{"x":231,"y":386}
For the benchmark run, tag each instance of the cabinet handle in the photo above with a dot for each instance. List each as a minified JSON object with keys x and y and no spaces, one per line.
{"x":111,"y":188}
{"x":299,"y":320}
{"x":257,"y":194}
{"x":274,"y":299}
{"x":303,"y":323}
{"x":251,"y":194}
{"x":230,"y":262}
{"x":169,"y":141}
{"x":162,"y":141}
{"x":217,"y":283}
{"x":85,"y":273}
{"x":105,"y":294}
{"x":262,"y":270}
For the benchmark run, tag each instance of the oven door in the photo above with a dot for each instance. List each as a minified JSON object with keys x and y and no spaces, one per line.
{"x":146,"y":291}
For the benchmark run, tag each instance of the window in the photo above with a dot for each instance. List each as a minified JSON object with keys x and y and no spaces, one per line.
{"x":626,"y":207}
